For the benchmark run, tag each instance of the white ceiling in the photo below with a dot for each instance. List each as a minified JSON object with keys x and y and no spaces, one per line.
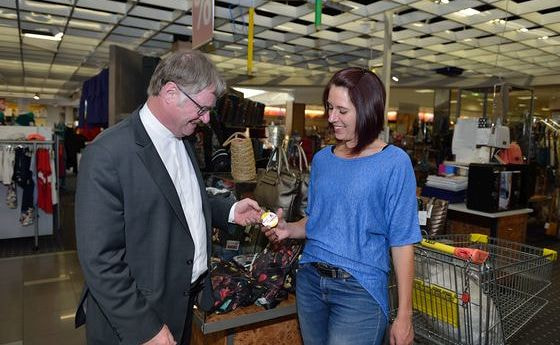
{"x":512,"y":39}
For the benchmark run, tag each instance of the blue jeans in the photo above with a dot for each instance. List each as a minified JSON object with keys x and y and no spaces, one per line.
{"x":336,"y":311}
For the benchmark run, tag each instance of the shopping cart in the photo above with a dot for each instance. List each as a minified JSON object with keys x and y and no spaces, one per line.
{"x":474,"y":289}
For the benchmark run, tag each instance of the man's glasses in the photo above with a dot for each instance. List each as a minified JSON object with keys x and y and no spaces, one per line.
{"x":201,"y":109}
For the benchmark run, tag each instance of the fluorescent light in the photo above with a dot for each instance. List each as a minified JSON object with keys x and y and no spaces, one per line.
{"x":230,"y":46}
{"x":418,"y":24}
{"x":45,"y":36}
{"x":444,"y":1}
{"x":424,"y":91}
{"x":36,"y":97}
{"x":545,"y":109}
{"x":467,"y":12}
{"x":523,"y":30}
{"x":395,"y":78}
{"x":543,"y":38}
{"x":525,"y":97}
{"x":314,"y":113}
{"x":248,"y":93}
{"x":282,"y":27}
{"x":467,"y":40}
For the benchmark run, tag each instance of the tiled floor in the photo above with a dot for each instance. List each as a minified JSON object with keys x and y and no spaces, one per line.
{"x":38,"y":298}
{"x":39,"y":294}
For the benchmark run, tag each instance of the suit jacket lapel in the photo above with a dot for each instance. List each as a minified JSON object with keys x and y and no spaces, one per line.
{"x":153,"y":163}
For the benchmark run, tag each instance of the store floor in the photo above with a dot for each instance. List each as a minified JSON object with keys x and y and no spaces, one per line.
{"x":39,"y":294}
{"x":38,"y":298}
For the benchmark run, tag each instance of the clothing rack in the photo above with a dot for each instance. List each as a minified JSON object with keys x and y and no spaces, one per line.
{"x":35,"y":144}
{"x":549,"y":123}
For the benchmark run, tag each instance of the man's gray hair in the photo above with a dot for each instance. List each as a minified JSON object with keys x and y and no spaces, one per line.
{"x":190,"y":69}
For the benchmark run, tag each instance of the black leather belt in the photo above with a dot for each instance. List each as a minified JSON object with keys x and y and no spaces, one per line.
{"x":329,"y":271}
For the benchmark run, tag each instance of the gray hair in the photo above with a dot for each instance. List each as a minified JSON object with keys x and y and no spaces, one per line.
{"x":190,"y":69}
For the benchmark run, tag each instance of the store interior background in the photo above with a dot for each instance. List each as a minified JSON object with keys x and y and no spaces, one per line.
{"x":453,"y":48}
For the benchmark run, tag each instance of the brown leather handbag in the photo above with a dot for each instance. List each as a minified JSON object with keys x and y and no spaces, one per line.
{"x":278,"y":186}
{"x":304,"y":176}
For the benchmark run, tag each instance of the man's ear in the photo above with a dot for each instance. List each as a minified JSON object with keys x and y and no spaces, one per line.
{"x":169,"y":92}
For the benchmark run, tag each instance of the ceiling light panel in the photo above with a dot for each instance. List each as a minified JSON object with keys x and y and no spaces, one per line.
{"x":46,"y":8}
{"x":98,"y":16}
{"x":171,"y":4}
{"x":104,"y":5}
{"x":141,"y":23}
{"x":125,"y":41}
{"x":151,"y":13}
{"x":88,"y":25}
{"x":157,"y":44}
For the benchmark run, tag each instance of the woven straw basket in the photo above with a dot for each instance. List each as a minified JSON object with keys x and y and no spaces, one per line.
{"x":242,"y":157}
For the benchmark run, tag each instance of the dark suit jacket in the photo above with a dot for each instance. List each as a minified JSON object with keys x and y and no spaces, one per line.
{"x":134,"y":243}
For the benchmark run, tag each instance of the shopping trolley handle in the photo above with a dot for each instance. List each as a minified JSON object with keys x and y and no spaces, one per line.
{"x":476,"y":256}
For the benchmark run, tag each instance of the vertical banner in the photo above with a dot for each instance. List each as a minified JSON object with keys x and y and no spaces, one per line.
{"x":318,"y":11}
{"x":250,"y":35}
{"x":202,"y":22}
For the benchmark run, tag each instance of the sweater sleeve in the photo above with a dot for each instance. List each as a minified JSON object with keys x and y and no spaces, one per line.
{"x":402,"y":209}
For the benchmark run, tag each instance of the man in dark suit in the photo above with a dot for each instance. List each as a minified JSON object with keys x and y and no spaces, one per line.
{"x":143,"y":218}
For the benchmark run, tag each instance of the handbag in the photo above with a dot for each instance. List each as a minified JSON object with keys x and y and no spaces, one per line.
{"x":437,"y":215}
{"x":242,"y":157}
{"x":304,"y":176}
{"x":271,"y":268}
{"x":278,"y":187}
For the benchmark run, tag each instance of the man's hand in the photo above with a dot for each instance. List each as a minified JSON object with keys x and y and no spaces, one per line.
{"x":247,"y":211}
{"x":402,"y":332}
{"x":164,"y":337}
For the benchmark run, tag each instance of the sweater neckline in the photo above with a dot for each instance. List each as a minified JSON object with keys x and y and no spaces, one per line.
{"x":331,"y":151}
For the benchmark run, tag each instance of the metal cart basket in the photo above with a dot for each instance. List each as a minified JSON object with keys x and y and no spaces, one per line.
{"x":459,"y":301}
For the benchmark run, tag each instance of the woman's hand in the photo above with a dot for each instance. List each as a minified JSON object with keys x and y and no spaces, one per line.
{"x":285,"y":230}
{"x":280,"y":231}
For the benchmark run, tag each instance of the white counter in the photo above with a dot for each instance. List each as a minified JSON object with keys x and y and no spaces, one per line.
{"x":463,"y":208}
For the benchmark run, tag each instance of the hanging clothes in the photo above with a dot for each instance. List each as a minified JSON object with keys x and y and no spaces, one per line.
{"x":8,"y":158}
{"x":54,"y":180}
{"x":44,"y":180}
{"x":94,"y":102}
{"x":24,"y":178}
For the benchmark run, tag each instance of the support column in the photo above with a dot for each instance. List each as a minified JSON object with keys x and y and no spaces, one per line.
{"x":289,"y":116}
{"x":387,"y":52}
{"x":298,"y":119}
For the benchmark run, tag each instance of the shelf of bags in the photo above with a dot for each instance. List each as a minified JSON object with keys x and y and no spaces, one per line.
{"x":243,"y":316}
{"x":249,"y":325}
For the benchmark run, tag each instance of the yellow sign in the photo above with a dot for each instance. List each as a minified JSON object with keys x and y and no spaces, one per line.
{"x":435,"y":301}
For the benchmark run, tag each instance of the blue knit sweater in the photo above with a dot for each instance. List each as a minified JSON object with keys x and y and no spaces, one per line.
{"x":359,"y":208}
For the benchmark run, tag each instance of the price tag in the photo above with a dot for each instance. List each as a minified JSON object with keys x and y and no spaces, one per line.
{"x":232,"y":245}
{"x":422,"y":217}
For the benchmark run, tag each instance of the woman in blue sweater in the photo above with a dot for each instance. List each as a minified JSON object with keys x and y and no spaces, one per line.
{"x":361,"y":206}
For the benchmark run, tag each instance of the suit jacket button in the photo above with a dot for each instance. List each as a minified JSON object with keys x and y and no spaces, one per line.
{"x":189,"y":262}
